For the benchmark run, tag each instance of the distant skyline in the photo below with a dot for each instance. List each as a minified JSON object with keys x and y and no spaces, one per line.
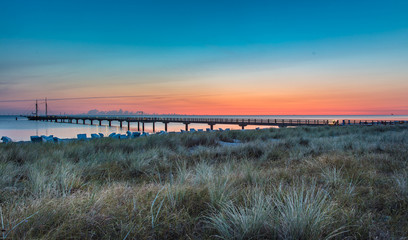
{"x":205,"y":57}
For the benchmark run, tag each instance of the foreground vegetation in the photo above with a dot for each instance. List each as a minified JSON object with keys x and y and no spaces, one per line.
{"x":294,"y":183}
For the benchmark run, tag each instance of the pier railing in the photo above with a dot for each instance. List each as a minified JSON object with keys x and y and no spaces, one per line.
{"x":211,"y":121}
{"x":248,"y":121}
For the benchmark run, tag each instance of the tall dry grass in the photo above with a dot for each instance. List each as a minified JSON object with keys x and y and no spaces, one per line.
{"x":299,"y":183}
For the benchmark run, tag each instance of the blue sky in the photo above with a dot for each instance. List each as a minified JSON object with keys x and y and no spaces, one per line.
{"x":164,"y":24}
{"x":80,"y":48}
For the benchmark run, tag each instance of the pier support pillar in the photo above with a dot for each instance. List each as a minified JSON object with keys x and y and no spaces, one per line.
{"x":83,"y":121}
{"x":143,"y":126}
{"x":154,"y":130}
{"x":110,"y":123}
{"x":211,"y":126}
{"x":186,"y":126}
{"x":165,"y":127}
{"x":100,"y":122}
{"x":77,"y":121}
{"x":120,"y":124}
{"x":138,"y":126}
{"x":91,"y":122}
{"x":128,"y":126}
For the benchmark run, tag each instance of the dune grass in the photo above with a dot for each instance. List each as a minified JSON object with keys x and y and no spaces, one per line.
{"x":291,"y":183}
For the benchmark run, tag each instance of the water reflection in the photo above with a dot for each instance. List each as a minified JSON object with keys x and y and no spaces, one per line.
{"x":22,"y":129}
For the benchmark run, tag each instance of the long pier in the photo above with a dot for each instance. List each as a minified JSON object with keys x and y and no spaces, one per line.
{"x":243,"y":122}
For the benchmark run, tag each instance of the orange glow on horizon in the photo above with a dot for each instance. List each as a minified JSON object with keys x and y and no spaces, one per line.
{"x":311,"y":103}
{"x":238,"y":98}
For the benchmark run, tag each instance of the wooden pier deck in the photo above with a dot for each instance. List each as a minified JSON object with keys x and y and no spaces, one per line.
{"x":243,"y":122}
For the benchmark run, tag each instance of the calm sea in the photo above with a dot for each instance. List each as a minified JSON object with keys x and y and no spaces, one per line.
{"x":21,"y":129}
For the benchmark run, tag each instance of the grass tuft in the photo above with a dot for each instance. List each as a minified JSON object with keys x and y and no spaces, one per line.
{"x":251,"y":220}
{"x":305,"y":212}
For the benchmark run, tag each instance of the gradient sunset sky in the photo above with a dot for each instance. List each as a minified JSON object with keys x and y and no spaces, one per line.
{"x":205,"y":57}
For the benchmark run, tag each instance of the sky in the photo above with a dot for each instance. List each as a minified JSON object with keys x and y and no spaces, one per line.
{"x":205,"y":57}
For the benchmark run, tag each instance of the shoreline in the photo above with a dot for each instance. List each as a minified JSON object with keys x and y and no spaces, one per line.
{"x":136,"y":134}
{"x":19,"y":131}
{"x":129,"y":135}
